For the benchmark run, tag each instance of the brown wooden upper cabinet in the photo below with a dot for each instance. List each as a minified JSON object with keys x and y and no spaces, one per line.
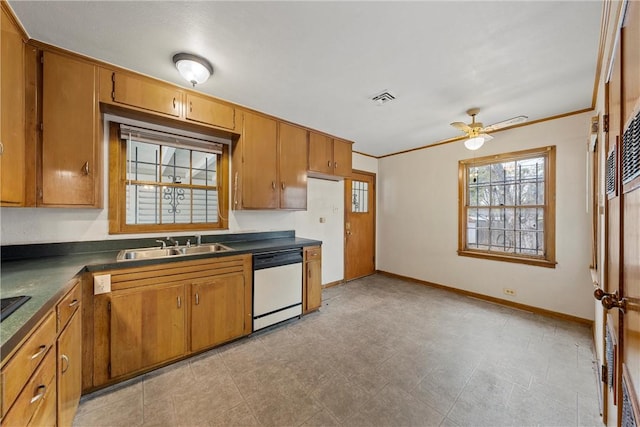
{"x":71,"y":144}
{"x":269,"y":165}
{"x":12,"y":142}
{"x":206,"y":110}
{"x":328,"y":157}
{"x":146,"y":94}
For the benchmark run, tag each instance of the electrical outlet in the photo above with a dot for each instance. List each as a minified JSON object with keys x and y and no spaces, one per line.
{"x":322,"y":220}
{"x":510,"y":292}
{"x":102,"y":284}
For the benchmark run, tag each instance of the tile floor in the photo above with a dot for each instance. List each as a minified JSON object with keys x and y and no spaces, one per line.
{"x":380,"y":352}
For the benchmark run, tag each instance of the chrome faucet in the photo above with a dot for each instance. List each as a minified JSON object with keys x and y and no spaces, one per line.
{"x":162,"y":242}
{"x":198,"y":240}
{"x":174,"y":241}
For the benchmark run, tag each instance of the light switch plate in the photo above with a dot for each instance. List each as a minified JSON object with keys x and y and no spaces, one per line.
{"x":101,"y":284}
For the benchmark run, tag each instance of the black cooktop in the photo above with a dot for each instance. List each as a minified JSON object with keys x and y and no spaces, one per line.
{"x":11,"y":304}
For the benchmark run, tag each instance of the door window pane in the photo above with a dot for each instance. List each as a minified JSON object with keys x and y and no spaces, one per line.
{"x":359,"y":196}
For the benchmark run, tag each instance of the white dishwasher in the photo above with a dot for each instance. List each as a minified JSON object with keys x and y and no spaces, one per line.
{"x":277,"y":287}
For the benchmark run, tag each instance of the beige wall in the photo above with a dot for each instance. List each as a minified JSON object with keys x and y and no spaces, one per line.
{"x":417,"y":216}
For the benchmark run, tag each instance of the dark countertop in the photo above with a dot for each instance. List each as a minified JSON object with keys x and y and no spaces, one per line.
{"x":47,"y":278}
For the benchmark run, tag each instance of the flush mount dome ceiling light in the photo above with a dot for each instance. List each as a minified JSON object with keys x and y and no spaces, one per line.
{"x":194,"y":69}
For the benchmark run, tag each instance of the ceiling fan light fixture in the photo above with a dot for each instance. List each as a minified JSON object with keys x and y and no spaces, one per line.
{"x":193,"y":68}
{"x":474,"y":143}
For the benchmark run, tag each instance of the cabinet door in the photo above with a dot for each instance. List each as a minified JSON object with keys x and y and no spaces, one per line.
{"x":12,"y":139}
{"x":69,"y":370}
{"x":217,"y":313}
{"x":147,"y":327}
{"x":259,"y":169}
{"x":146,"y":94}
{"x":314,"y":285}
{"x":69,"y":131}
{"x":206,"y":110}
{"x":341,"y":158}
{"x":320,"y":153}
{"x":293,"y":167}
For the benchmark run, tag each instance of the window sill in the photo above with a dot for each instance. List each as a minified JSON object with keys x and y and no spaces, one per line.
{"x":538,"y":262}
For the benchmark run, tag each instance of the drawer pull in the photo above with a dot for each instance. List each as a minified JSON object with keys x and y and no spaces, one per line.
{"x":42,"y":348}
{"x":329,"y":163}
{"x":40,"y":395}
{"x":65,"y":358}
{"x":197,"y":299}
{"x":73,"y":303}
{"x":179,"y":302}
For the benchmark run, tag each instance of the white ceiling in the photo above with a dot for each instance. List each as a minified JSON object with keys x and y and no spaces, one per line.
{"x":319,"y":63}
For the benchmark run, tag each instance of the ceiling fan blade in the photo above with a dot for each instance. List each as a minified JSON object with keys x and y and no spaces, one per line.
{"x":505,"y":123}
{"x":462,"y":126}
{"x":486,"y":137}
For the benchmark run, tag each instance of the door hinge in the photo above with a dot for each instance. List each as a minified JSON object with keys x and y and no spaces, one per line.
{"x":604,"y":374}
{"x":605,"y":123}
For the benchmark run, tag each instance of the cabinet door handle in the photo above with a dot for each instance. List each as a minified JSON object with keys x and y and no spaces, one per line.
{"x":335,"y":165}
{"x":42,"y":348}
{"x":85,"y":168}
{"x":197,"y":299}
{"x":74,"y":303}
{"x":179,"y":302}
{"x":174,"y":103}
{"x":39,"y":395}
{"x":65,"y":358}
{"x":1,"y":148}
{"x":282,"y":185}
{"x":190,"y":106}
{"x":329,"y":163}
{"x":273,"y":185}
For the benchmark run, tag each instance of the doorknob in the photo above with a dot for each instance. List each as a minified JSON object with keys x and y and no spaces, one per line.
{"x":610,"y":301}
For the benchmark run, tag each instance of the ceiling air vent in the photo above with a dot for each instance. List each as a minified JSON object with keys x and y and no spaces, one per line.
{"x":383,"y":97}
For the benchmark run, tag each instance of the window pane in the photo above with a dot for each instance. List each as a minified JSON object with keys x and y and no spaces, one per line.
{"x":510,"y":195}
{"x":482,"y":174}
{"x":528,"y":219}
{"x":142,"y":161}
{"x":497,"y":195}
{"x":528,"y":194}
{"x":497,"y":173}
{"x":203,"y":169}
{"x":143,"y":204}
{"x":482,"y":196}
{"x":359,"y":196}
{"x":175,"y":165}
{"x":497,"y":218}
{"x":176,"y":205}
{"x":540,"y":193}
{"x":205,"y":205}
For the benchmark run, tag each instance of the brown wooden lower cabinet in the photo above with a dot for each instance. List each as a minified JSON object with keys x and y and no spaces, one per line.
{"x":147,"y":327}
{"x":69,"y":375}
{"x":36,"y":403}
{"x":161,"y":313}
{"x":217,"y":313}
{"x":312,"y":279}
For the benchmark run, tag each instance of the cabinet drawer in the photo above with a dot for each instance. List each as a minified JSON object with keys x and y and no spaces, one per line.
{"x":204,"y":110}
{"x":148,"y":95}
{"x":312,"y":253}
{"x":18,"y":370}
{"x":37,"y":401}
{"x":68,"y":306}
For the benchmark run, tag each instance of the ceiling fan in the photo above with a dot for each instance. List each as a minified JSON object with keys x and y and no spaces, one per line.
{"x":477,"y":133}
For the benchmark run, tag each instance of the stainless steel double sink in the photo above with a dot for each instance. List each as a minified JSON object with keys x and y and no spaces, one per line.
{"x":150,"y":253}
